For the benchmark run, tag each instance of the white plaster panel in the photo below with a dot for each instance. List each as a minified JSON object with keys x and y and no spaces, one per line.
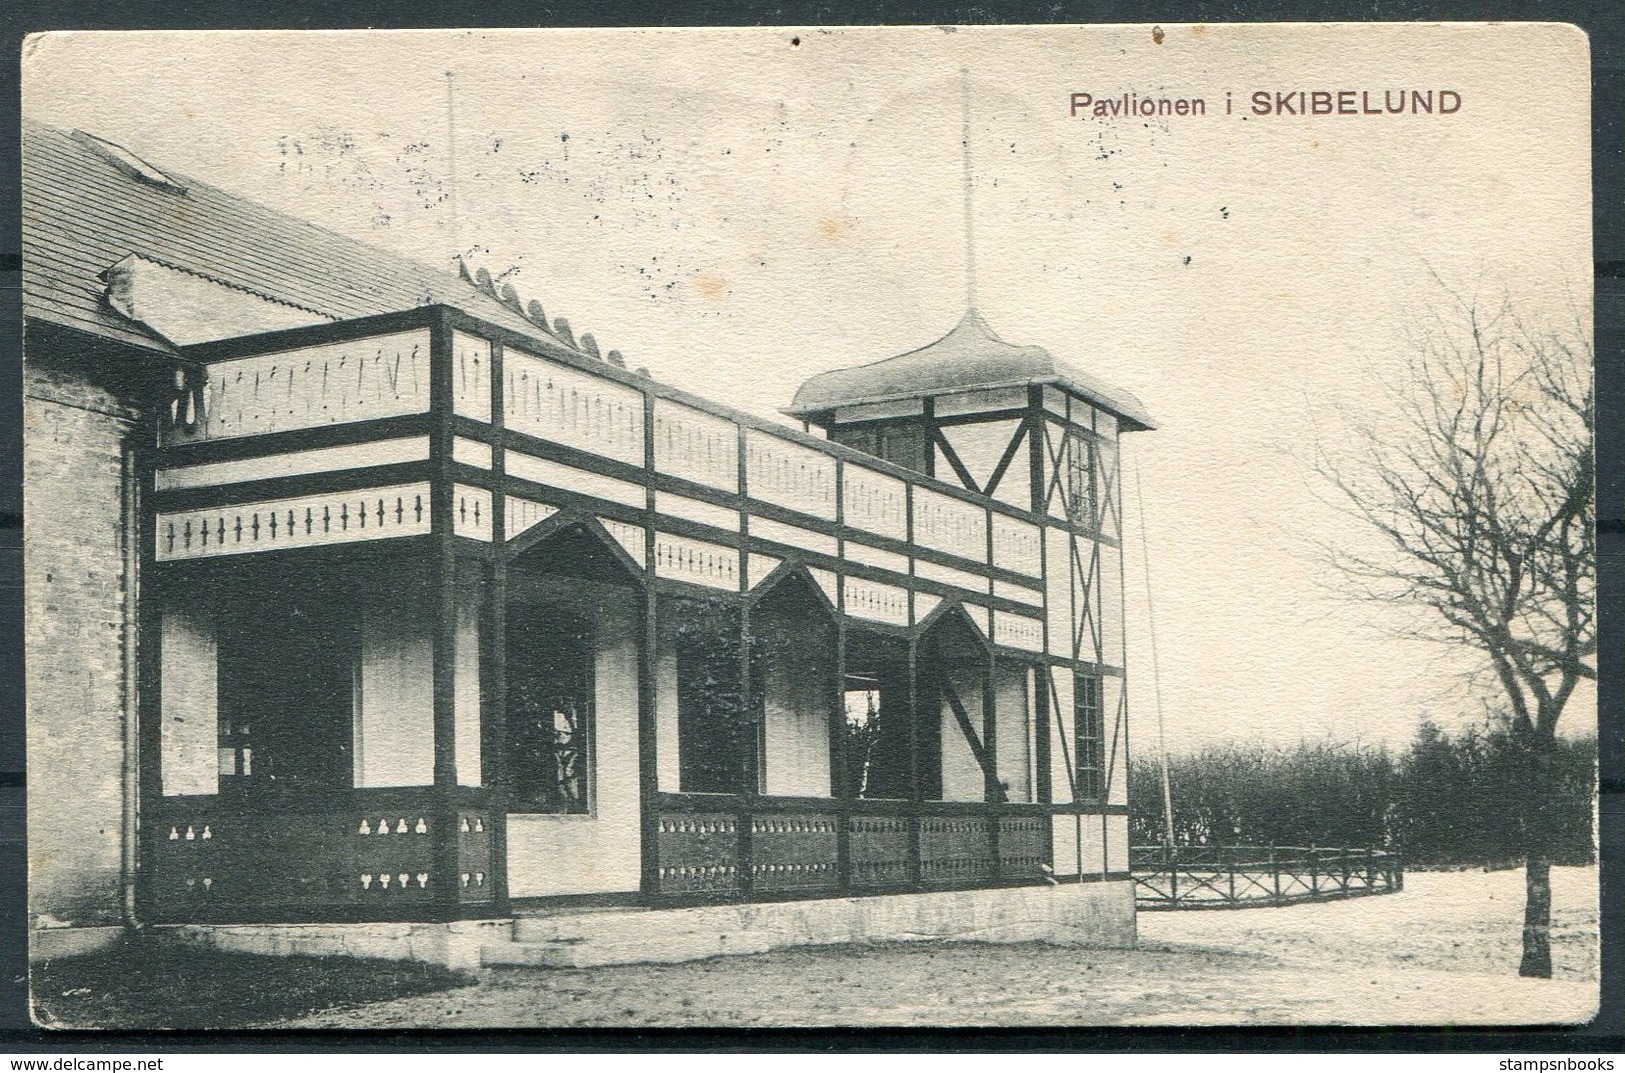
{"x":1014,"y":744}
{"x":874,"y":502}
{"x":1117,"y":844}
{"x":1061,"y":736}
{"x":1094,"y":844}
{"x":394,"y":730}
{"x":949,"y":524}
{"x":1018,"y":631}
{"x":558,"y":475}
{"x":296,"y":463}
{"x":630,"y":537}
{"x":761,"y":566}
{"x":829,"y":582}
{"x":1027,"y":594}
{"x":1064,"y":844}
{"x":190,"y":737}
{"x":1111,"y":695}
{"x":966,"y":402}
{"x":947,"y":575}
{"x":1058,"y":592}
{"x":1017,"y":545}
{"x":961,"y":774}
{"x":793,"y":535}
{"x":666,"y":757}
{"x":1111,"y":605}
{"x":886,"y":560}
{"x":525,"y":514}
{"x":696,"y":510}
{"x":470,"y":452}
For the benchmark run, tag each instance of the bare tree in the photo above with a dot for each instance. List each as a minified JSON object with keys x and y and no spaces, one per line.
{"x":1479,"y":483}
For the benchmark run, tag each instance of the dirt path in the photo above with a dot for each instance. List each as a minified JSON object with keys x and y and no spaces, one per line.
{"x":1443,"y":951}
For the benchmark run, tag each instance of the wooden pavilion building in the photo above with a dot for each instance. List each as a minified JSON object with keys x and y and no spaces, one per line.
{"x":358,"y":592}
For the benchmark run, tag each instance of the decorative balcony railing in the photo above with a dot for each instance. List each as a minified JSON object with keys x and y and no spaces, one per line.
{"x":696,"y":446}
{"x":369,"y":854}
{"x":796,"y":847}
{"x":875,"y":502}
{"x":904,"y":533}
{"x":789,"y":475}
{"x":949,"y":524}
{"x":564,"y":405}
{"x":334,"y":383}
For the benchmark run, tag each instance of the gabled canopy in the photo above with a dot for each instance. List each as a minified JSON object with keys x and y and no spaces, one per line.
{"x":971,"y":357}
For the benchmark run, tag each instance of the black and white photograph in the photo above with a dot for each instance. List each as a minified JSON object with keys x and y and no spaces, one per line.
{"x":911,"y":527}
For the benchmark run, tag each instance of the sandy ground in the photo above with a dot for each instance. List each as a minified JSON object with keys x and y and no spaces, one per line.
{"x":1444,"y":951}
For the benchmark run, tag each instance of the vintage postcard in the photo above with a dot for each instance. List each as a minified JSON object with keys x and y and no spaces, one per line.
{"x":1063,"y":525}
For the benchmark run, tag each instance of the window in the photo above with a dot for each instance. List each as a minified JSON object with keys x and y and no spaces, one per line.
{"x":901,"y":444}
{"x":550,"y":712}
{"x":1080,"y":484}
{"x":1090,"y":731}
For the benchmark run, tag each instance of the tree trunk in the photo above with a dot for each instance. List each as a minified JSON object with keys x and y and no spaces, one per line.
{"x":1537,"y":833}
{"x":1537,"y":917}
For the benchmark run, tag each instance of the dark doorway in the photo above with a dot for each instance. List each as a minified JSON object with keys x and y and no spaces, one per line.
{"x":550,"y":709}
{"x":715,"y":735}
{"x":875,"y":696}
{"x":286,"y":694}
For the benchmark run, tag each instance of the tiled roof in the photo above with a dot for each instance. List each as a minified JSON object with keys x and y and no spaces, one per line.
{"x":968,"y":358}
{"x":83,"y":213}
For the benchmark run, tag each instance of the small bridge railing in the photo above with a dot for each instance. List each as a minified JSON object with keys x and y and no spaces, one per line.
{"x":1236,"y":877}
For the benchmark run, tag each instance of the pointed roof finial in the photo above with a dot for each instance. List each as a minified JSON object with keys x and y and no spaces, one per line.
{"x":970,"y":216}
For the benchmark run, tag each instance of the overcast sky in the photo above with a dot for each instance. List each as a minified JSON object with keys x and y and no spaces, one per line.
{"x":740,"y":210}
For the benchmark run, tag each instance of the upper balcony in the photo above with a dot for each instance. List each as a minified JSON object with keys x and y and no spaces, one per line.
{"x":433,"y":422}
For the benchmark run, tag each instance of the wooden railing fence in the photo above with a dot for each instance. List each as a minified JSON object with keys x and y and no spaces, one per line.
{"x":1236,"y":877}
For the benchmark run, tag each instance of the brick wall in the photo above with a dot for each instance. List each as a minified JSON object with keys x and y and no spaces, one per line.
{"x":74,"y":592}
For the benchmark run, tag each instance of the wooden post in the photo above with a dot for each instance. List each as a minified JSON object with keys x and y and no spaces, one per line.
{"x":648,"y":655}
{"x":840,"y":782}
{"x":992,"y":791}
{"x":915,"y":795}
{"x":443,"y":571}
{"x":1314,"y":870}
{"x":1275,"y":872}
{"x":494,"y":650}
{"x":750,"y":770}
{"x":1229,"y":858}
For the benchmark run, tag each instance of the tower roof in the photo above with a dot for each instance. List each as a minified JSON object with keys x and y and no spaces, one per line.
{"x":971,"y":357}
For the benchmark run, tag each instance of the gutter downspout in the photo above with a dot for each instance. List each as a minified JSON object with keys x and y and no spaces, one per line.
{"x":132,"y":681}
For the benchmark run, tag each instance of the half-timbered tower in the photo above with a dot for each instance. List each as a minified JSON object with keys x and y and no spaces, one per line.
{"x":358,"y":591}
